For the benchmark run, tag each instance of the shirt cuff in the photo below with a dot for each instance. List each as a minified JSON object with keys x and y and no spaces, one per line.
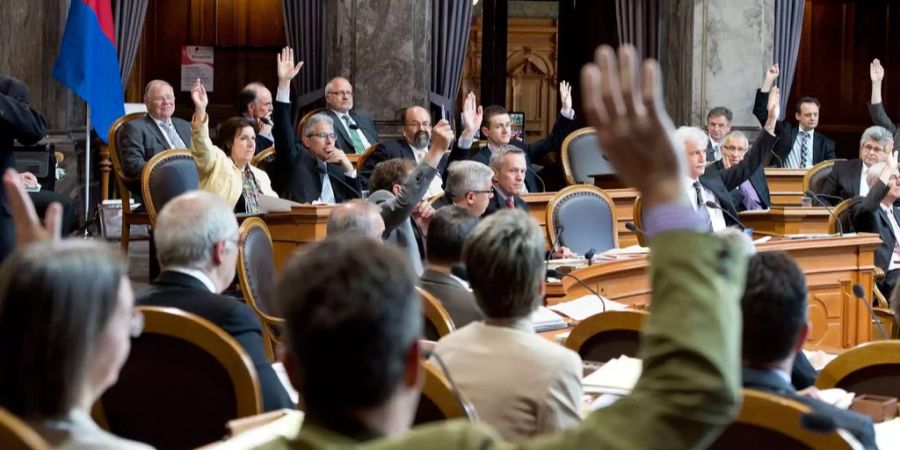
{"x":567,"y":113}
{"x":464,"y":142}
{"x":671,"y":217}
{"x":351,"y":174}
{"x":283,"y":96}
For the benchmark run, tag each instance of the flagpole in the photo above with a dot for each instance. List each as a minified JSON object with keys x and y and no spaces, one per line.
{"x":87,"y":166}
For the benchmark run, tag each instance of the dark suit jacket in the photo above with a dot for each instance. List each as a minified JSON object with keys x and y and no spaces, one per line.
{"x":879,"y":117}
{"x":139,"y":140}
{"x":866,"y":215}
{"x":757,"y":180}
{"x":459,"y":301}
{"x":343,"y":140}
{"x":262,"y":143}
{"x":858,"y":425}
{"x":294,"y":174}
{"x":711,"y":152}
{"x":823,"y":147}
{"x":721,"y":182}
{"x":533,"y":152}
{"x":394,"y":148}
{"x":496,"y":203}
{"x":843,"y":181}
{"x":182,"y":291}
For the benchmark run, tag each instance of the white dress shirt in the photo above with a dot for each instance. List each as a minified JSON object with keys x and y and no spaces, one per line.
{"x":895,"y":229}
{"x":715,"y":214}
{"x":863,"y":185}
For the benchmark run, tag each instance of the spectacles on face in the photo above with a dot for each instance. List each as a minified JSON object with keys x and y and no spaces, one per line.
{"x":322,"y":135}
{"x":868,"y":148}
{"x":424,"y":124}
{"x":341,"y":93}
{"x":136,"y":326}
{"x":490,"y":193}
{"x":734,"y":148}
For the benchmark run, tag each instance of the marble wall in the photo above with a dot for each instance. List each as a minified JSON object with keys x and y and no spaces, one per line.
{"x":383,"y":48}
{"x":732,"y":46}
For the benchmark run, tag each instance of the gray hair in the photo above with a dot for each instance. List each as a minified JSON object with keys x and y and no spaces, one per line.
{"x":356,"y":216}
{"x":509,"y":246}
{"x":315,"y":120}
{"x":736,"y":135}
{"x":466,"y":176}
{"x":507,"y":149}
{"x":150,"y":86}
{"x":330,"y":85}
{"x":691,"y":134}
{"x":874,"y":172}
{"x":189,"y":226}
{"x":878,"y":134}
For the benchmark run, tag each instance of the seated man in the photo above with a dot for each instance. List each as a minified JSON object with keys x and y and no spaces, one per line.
{"x":774,"y":310}
{"x":876,"y":213}
{"x":356,"y":216}
{"x":355,"y":131}
{"x":447,"y":231}
{"x":689,"y":389}
{"x":140,"y":140}
{"x":752,"y":194}
{"x":496,"y":129}
{"x":848,"y":177}
{"x":255,"y":103}
{"x":509,"y":166}
{"x":197,"y":246}
{"x":470,"y":185}
{"x":718,"y":125}
{"x":311,"y":169}
{"x":799,"y":146}
{"x":413,"y":145}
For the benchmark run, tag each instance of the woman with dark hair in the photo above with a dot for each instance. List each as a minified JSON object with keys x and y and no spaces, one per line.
{"x":226,"y":170}
{"x":66,"y":319}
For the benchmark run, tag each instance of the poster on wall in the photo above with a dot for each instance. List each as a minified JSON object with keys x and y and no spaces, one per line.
{"x":196,"y":62}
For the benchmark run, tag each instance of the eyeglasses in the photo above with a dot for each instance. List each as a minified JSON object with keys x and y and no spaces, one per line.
{"x":418,"y":124}
{"x":322,"y":135}
{"x":341,"y":93}
{"x":136,"y":326}
{"x":734,"y":148}
{"x":871,"y":148}
{"x":490,"y":193}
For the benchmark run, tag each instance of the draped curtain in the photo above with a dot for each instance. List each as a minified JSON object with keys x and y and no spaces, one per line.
{"x":449,"y":35}
{"x":788,"y":27}
{"x":304,"y":26}
{"x":638,"y":22}
{"x":128,"y":16}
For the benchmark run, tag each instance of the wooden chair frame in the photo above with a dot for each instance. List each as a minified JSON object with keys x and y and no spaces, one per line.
{"x":304,"y":119}
{"x":128,"y":217}
{"x":838,"y":210}
{"x":604,"y":322}
{"x":364,"y":156}
{"x":816,"y":169}
{"x":577,"y":189}
{"x":564,"y":152}
{"x":638,"y":219}
{"x":261,"y":156}
{"x":435,"y":313}
{"x":15,"y":434}
{"x":268,"y":321}
{"x":857,"y":358}
{"x":438,"y":389}
{"x":157,"y":159}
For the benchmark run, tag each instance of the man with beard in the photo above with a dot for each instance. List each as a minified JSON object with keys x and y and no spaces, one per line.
{"x":413,"y":146}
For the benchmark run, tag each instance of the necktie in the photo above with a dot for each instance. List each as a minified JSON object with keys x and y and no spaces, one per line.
{"x":801,"y":160}
{"x":509,"y":203}
{"x":751,"y":199}
{"x":327,"y":195}
{"x":174,"y":139}
{"x":251,"y":191}
{"x":358,"y":146}
{"x":701,"y":207}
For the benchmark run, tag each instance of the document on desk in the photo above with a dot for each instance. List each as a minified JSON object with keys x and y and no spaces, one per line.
{"x":887,"y":434}
{"x":546,"y":320}
{"x":269,"y":204}
{"x":617,"y":376}
{"x":587,"y":306}
{"x":615,"y":254}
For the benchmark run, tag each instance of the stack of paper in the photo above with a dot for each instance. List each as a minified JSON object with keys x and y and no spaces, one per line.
{"x":818,"y":358}
{"x":617,"y":376}
{"x":545,"y":320}
{"x":836,"y":397}
{"x":587,"y":306}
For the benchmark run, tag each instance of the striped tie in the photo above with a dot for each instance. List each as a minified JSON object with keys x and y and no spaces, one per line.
{"x":353,"y":130}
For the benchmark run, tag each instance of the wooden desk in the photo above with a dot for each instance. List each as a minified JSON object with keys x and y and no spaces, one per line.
{"x":832,"y":266}
{"x":624,"y":200}
{"x":289,"y":230}
{"x":785,"y":185}
{"x":782,"y":220}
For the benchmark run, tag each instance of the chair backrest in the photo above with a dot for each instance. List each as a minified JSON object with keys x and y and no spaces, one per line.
{"x":305,"y":118}
{"x":439,"y":400}
{"x":256,"y":272}
{"x":112,"y":140}
{"x":771,"y":421}
{"x":842,"y":213}
{"x":638,"y":219}
{"x":607,"y":335}
{"x":17,"y":435}
{"x":582,"y":157}
{"x":870,"y":368}
{"x":183,"y":381}
{"x":262,"y":159}
{"x":167,"y":175}
{"x":438,"y":322}
{"x":361,"y":160}
{"x":814,"y":179}
{"x":588,"y":217}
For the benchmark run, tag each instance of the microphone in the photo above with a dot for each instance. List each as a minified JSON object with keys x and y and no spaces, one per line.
{"x":467,"y":407}
{"x":553,"y":244}
{"x":860,"y":294}
{"x":818,"y":200}
{"x":339,"y":180}
{"x":266,"y":120}
{"x":780,"y":161}
{"x":353,"y":126}
{"x":714,"y":205}
{"x":543,"y":185}
{"x":589,"y":256}
{"x":630,"y":226}
{"x":831,"y":197}
{"x":557,"y":274}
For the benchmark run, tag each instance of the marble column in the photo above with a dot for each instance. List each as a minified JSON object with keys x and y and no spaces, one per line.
{"x":383,"y":48}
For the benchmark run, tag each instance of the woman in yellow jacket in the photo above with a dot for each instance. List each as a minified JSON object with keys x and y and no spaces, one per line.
{"x":226,"y":170}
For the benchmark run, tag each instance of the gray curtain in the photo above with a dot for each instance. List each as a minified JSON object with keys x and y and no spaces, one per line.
{"x":304,"y":25}
{"x":449,"y":35}
{"x":788,"y":27}
{"x":638,"y":22}
{"x":128,"y":16}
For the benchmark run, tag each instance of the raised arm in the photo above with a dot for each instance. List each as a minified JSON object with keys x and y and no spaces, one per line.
{"x":201,"y":146}
{"x":759,"y":151}
{"x":287,"y":146}
{"x":760,"y":109}
{"x":876,"y":106}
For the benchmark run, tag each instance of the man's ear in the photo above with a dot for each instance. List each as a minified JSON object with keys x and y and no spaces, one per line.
{"x":414,"y":374}
{"x":801,"y":337}
{"x":219,"y":250}
{"x":484,"y":132}
{"x":797,"y":115}
{"x":470,"y":198}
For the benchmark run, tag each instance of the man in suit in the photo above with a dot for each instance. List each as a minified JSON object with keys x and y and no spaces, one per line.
{"x":752,"y":194}
{"x":876,"y":213}
{"x":18,"y":122}
{"x":197,"y":246}
{"x":689,"y":389}
{"x":470,"y":184}
{"x":139,"y":140}
{"x":509,"y":166}
{"x":310,"y":169}
{"x":413,"y":145}
{"x":496,"y":129}
{"x":704,"y":186}
{"x":355,"y":131}
{"x":775,"y":327}
{"x":718,"y":125}
{"x":447,"y":232}
{"x":799,"y":146}
{"x":255,"y":104}
{"x":848,"y":177}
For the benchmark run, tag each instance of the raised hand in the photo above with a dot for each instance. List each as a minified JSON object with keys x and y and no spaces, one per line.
{"x":441,"y":137}
{"x":28,"y":226}
{"x":632,"y":124}
{"x":287,"y":70}
{"x":472,"y":114}
{"x":876,"y":71}
{"x":774,"y":109}
{"x":565,"y":95}
{"x":198,"y":95}
{"x":771,"y":75}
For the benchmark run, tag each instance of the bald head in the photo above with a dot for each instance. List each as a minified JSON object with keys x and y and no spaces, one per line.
{"x":255,"y":101}
{"x":357,"y":217}
{"x":416,"y":127}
